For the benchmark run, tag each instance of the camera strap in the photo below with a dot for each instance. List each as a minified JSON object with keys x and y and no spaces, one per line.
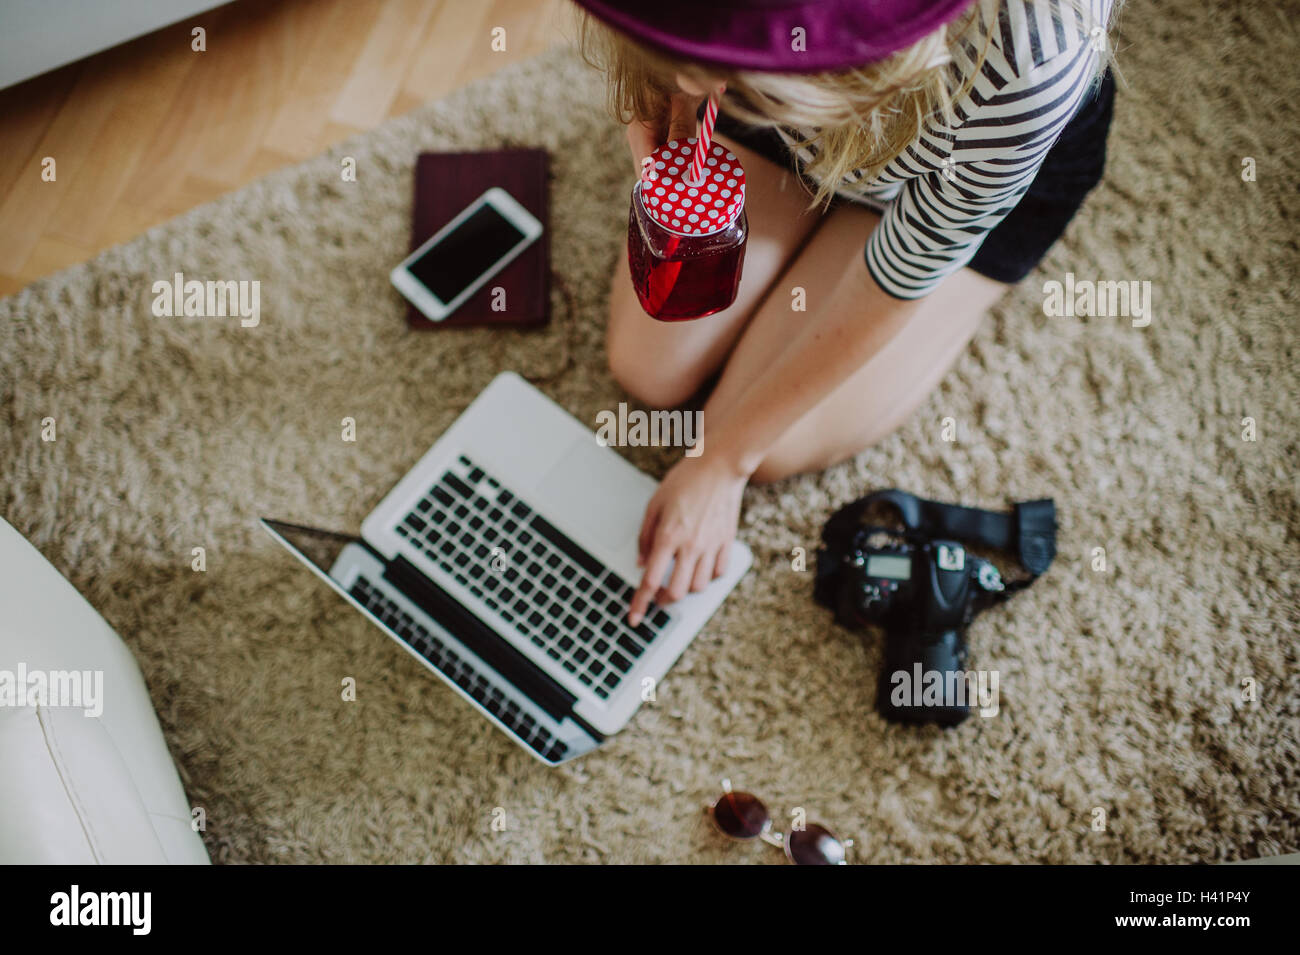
{"x":1028,"y":530}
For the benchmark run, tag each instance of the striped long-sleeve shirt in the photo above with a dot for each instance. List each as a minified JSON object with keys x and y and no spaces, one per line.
{"x":956,"y":181}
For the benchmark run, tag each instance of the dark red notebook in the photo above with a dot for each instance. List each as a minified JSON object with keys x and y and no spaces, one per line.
{"x":445,"y":183}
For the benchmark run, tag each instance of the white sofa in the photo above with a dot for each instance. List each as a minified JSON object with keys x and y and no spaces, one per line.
{"x":77,"y":788}
{"x":40,"y":35}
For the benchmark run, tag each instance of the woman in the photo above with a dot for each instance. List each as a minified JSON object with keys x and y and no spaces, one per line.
{"x":955,"y":139}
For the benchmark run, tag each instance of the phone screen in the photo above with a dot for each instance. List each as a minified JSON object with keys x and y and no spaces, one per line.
{"x":465,"y":253}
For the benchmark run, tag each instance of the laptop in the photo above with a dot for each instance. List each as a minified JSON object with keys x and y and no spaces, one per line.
{"x":504,"y":562}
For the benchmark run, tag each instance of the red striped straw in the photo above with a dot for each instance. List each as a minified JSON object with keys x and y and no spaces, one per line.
{"x":704,"y":142}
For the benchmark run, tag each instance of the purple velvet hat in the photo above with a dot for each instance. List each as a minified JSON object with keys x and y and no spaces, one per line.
{"x":765,"y":35}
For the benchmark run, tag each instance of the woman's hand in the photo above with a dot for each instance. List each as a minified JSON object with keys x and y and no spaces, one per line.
{"x":691,"y":520}
{"x":677,"y":121}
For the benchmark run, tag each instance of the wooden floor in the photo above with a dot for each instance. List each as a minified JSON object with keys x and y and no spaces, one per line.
{"x":150,"y":129}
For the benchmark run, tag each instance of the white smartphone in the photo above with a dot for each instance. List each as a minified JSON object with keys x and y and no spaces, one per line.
{"x":442,"y":273}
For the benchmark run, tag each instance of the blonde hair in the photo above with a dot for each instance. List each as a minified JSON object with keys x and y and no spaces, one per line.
{"x":860,"y":119}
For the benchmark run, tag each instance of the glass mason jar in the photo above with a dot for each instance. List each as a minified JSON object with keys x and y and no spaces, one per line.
{"x":680,"y":276}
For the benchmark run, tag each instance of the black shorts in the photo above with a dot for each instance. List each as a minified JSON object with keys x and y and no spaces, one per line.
{"x":1071,"y":168}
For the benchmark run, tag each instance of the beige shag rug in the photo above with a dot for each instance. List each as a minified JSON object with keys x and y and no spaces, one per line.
{"x":1121,"y":690}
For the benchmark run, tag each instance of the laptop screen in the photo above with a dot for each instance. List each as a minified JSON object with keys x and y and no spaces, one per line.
{"x":400,"y":598}
{"x":320,"y":547}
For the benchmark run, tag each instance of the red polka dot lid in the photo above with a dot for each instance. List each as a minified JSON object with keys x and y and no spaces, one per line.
{"x":686,"y":207}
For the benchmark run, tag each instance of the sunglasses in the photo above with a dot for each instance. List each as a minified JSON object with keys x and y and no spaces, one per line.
{"x":743,"y":816}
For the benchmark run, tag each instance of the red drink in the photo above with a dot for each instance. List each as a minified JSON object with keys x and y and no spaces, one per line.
{"x":686,"y":247}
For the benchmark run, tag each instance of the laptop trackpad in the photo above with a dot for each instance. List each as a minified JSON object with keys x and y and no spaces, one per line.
{"x":591,"y":491}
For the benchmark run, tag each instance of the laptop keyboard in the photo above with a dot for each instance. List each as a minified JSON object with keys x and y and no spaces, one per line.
{"x":458,"y":670}
{"x":531,"y":576}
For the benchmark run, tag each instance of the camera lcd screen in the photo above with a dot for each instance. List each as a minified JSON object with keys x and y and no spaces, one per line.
{"x":887,"y":565}
{"x":465,"y":253}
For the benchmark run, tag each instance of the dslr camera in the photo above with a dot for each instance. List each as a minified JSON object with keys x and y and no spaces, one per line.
{"x":922,"y":585}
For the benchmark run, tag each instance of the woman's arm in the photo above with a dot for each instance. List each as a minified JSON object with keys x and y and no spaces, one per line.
{"x":693,"y":516}
{"x":855,"y":323}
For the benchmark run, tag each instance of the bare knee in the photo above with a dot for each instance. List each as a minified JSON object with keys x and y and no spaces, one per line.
{"x":790,"y":458}
{"x":647,"y":381}
{"x":778,"y":466}
{"x":653,"y":379}
{"x":770,"y":471}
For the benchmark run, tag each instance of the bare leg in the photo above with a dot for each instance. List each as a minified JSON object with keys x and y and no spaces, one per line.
{"x":663,"y":364}
{"x":885,"y":391}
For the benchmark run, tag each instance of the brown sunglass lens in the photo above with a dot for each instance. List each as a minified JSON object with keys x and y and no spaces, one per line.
{"x":740,"y":815}
{"x":814,"y":845}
